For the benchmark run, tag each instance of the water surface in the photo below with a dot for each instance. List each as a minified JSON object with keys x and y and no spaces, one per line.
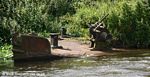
{"x":121,"y":65}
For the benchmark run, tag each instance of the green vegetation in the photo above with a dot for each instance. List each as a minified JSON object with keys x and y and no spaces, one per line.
{"x":5,"y":51}
{"x":128,"y":20}
{"x":31,"y":16}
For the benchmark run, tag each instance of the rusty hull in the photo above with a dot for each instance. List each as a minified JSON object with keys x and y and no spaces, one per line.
{"x":28,"y":46}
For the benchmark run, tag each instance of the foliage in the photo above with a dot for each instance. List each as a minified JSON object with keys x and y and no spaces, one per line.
{"x":31,"y":15}
{"x":132,"y":26}
{"x":128,"y":20}
{"x":5,"y":51}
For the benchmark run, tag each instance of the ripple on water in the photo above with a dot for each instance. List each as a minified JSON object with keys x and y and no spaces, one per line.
{"x":114,"y":66}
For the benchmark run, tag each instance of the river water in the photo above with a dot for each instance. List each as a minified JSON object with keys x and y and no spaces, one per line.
{"x":121,"y":65}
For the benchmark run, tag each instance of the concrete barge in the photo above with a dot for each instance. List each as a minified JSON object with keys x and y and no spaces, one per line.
{"x":27,"y":47}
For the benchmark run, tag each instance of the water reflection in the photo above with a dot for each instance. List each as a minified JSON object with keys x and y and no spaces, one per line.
{"x":122,"y":65}
{"x":6,"y":64}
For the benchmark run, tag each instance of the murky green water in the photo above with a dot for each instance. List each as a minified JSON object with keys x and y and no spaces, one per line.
{"x":125,"y":65}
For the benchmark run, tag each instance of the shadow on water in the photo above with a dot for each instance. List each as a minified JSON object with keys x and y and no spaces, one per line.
{"x":128,"y":64}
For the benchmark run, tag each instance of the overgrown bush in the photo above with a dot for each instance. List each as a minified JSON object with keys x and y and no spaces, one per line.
{"x":128,"y":20}
{"x":132,"y":26}
{"x":27,"y":16}
{"x":5,"y":51}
